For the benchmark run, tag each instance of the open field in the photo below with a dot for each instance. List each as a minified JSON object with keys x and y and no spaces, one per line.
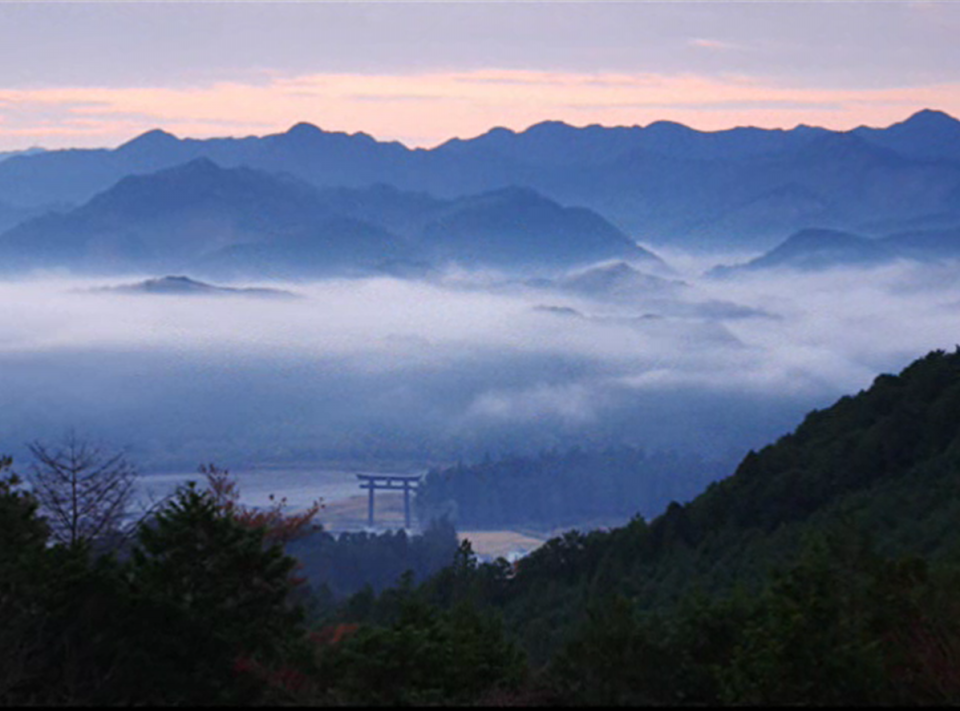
{"x":351,"y":514}
{"x":345,"y":505}
{"x":497,"y":544}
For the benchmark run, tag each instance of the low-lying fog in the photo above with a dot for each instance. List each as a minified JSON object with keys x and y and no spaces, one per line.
{"x":388,"y":371}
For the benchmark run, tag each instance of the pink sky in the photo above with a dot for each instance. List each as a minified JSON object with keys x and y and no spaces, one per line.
{"x":98,"y":74}
{"x":426,"y":109}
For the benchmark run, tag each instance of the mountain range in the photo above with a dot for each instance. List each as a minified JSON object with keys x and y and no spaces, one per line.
{"x":242,"y":222}
{"x":184,"y":286}
{"x":815,"y":249}
{"x":661,"y":184}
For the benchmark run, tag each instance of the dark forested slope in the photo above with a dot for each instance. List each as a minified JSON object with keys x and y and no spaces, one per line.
{"x":876,"y":475}
{"x":886,"y":461}
{"x":563,"y":488}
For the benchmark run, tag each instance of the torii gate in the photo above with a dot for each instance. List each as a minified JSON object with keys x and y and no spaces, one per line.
{"x":389,"y":482}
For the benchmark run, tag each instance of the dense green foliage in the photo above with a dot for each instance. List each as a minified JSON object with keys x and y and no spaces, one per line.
{"x":556,"y":489}
{"x":901,"y":425}
{"x":337,"y":566}
{"x":823,"y":571}
{"x":839,"y":626}
{"x":885,"y":462}
{"x":221,"y":589}
{"x":422,"y":655}
{"x":204,"y":609}
{"x":173,"y":623}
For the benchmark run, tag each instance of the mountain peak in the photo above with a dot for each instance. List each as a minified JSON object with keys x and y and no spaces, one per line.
{"x":498,"y":132}
{"x":928,"y":134}
{"x":174,"y":283}
{"x":670,"y":126}
{"x":550,"y":127}
{"x":153,"y":139}
{"x":931,"y":118}
{"x":304,"y":130}
{"x":185,"y":286}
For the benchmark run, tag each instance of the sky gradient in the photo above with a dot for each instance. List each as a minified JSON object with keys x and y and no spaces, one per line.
{"x":88,"y":74}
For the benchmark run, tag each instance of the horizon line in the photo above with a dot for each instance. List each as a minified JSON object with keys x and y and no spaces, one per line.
{"x":160,"y":129}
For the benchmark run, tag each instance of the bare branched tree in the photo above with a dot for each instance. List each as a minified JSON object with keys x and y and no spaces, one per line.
{"x":83,"y":490}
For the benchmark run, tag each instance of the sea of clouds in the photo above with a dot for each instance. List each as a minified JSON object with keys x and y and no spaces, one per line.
{"x":383,"y":371}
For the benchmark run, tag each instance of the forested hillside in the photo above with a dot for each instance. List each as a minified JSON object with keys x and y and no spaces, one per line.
{"x":819,"y":572}
{"x":883,"y":462}
{"x":337,"y":566}
{"x":563,"y":488}
{"x":823,"y":571}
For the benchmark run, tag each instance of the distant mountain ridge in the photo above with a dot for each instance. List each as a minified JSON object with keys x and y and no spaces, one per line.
{"x":23,"y":152}
{"x":664,"y":183}
{"x":928,"y":134}
{"x":185,"y":286}
{"x":239,"y":223}
{"x":816,"y":249}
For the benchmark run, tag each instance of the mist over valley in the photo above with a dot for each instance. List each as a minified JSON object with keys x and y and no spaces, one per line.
{"x":324,"y":299}
{"x":380,"y":370}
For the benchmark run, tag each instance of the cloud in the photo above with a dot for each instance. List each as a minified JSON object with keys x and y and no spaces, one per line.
{"x":435,"y":371}
{"x":713,"y":44}
{"x":573,"y":403}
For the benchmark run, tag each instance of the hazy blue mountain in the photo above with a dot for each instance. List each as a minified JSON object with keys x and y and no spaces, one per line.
{"x":840,"y":181}
{"x":156,"y":147}
{"x":325,"y":158}
{"x":185,"y":286}
{"x":744,"y":142}
{"x":814,"y":249}
{"x":834,"y":180}
{"x":11,"y":215}
{"x":25,"y":152}
{"x":519,"y":227}
{"x":384,"y":229}
{"x":927,"y":135}
{"x":549,"y":143}
{"x":664,"y":183}
{"x":657,"y":183}
{"x":236,"y":223}
{"x":400,"y":211}
{"x":744,"y":187}
{"x":556,"y":143}
{"x":777,"y":211}
{"x":861,"y":179}
{"x":925,"y":244}
{"x":941,"y":220}
{"x":70,"y":176}
{"x":618,"y":280}
{"x":76,"y":175}
{"x":334,"y":246}
{"x":670,"y":301}
{"x":163,"y":221}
